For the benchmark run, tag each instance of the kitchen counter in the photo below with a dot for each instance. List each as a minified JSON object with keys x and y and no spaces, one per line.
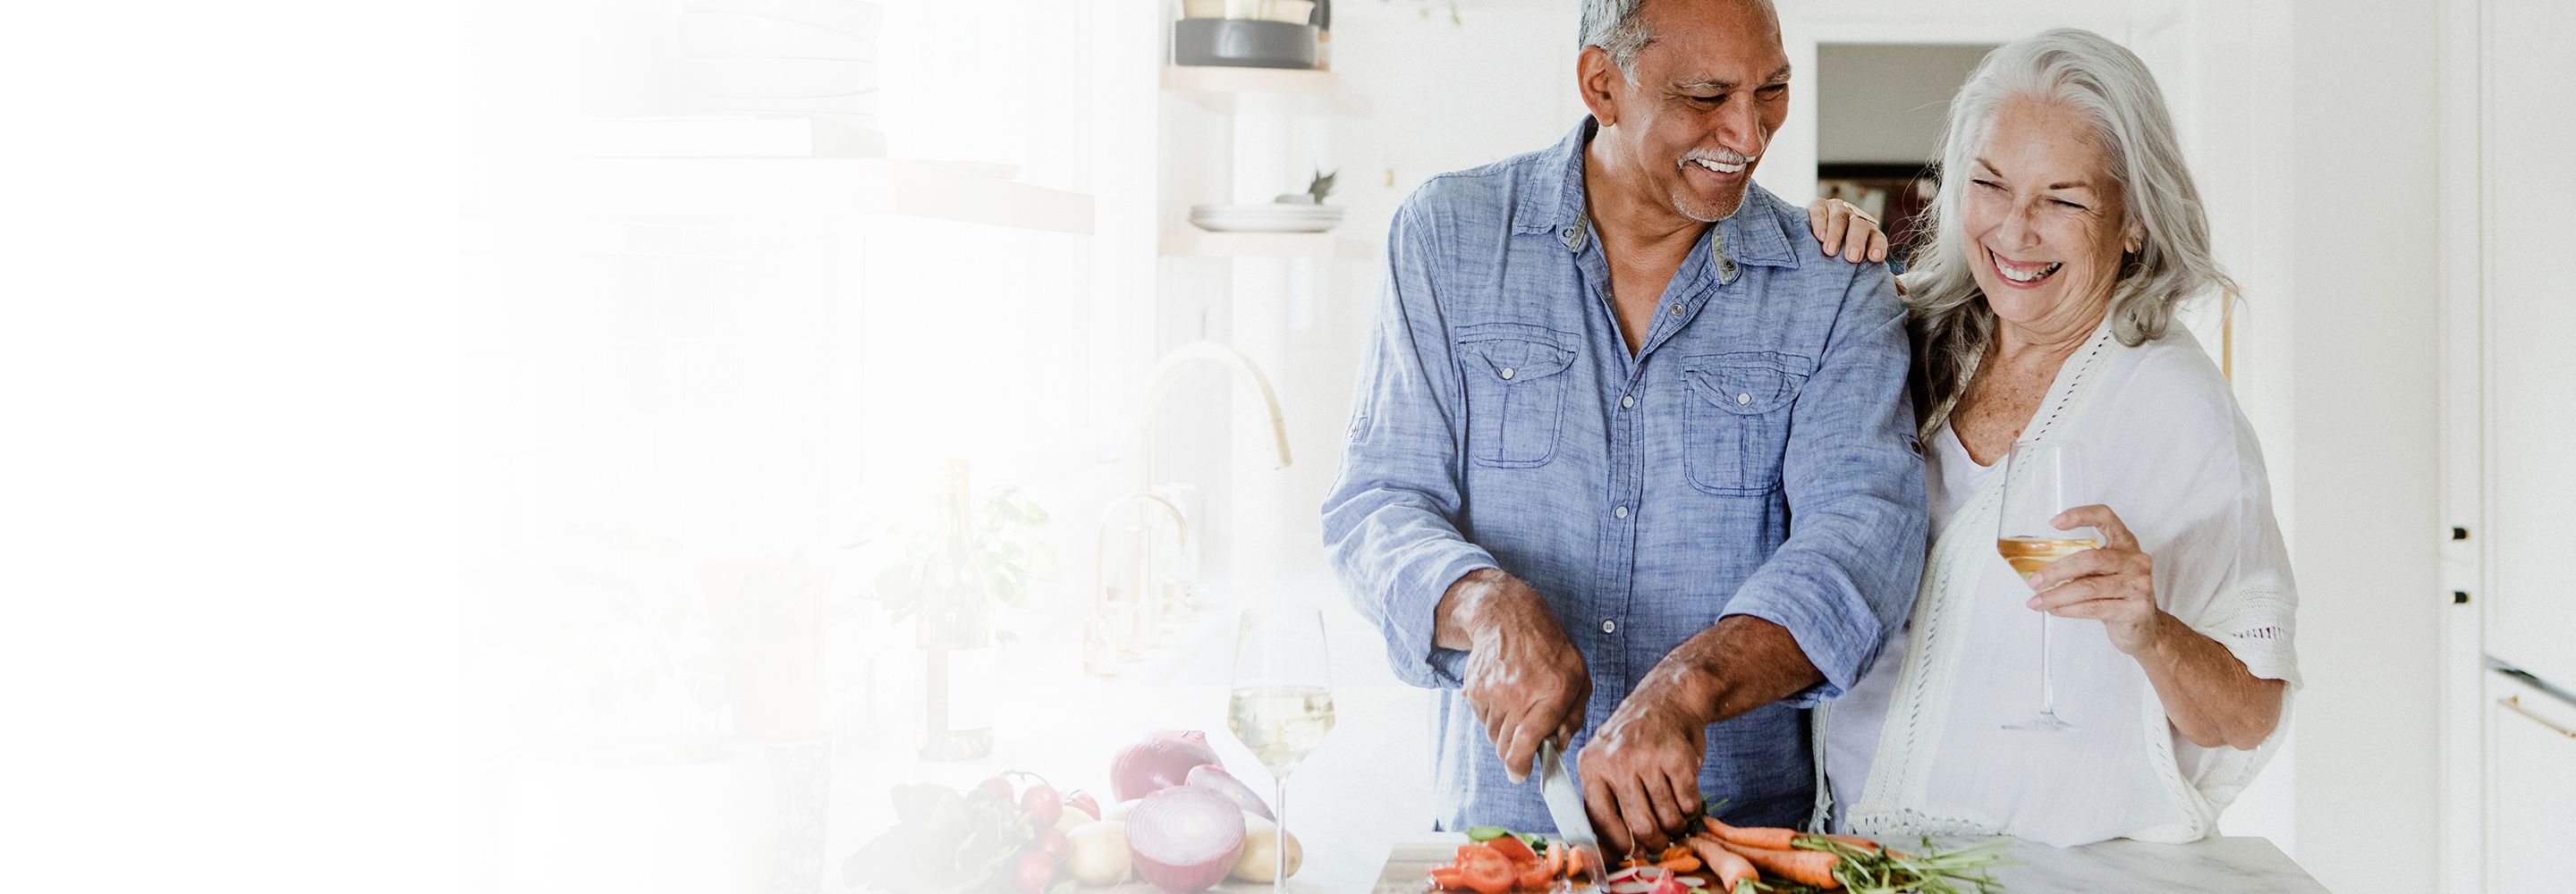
{"x":2208,"y":866}
{"x":1365,"y":796}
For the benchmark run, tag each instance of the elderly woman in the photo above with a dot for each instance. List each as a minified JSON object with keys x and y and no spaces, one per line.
{"x":2065,"y":234}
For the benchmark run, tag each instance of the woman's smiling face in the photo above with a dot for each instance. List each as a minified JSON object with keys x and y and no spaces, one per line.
{"x":2044,"y":218}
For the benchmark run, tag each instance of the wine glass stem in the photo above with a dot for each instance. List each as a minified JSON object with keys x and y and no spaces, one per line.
{"x":2047,"y":688}
{"x":1279,"y":836}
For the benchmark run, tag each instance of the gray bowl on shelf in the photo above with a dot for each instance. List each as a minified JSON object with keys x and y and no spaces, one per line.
{"x":1244,"y":43}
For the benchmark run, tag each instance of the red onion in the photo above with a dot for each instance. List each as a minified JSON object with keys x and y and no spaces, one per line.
{"x":1163,"y":760}
{"x":1215,"y":778}
{"x":1185,"y":838}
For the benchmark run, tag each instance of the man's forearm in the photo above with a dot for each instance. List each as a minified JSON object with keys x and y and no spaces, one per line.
{"x":1740,"y":663}
{"x":1471,"y":604}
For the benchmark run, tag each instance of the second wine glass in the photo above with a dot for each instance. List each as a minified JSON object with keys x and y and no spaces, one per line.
{"x":1283,"y":700}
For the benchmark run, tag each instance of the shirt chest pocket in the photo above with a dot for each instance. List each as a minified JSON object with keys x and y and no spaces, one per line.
{"x":1738,"y":420}
{"x":1515,"y":391}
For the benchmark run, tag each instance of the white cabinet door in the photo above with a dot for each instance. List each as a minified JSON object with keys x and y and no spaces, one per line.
{"x":2534,"y":793}
{"x":2531,"y":295}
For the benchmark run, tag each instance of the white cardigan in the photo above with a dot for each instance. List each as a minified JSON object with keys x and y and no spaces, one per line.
{"x":2165,"y":447}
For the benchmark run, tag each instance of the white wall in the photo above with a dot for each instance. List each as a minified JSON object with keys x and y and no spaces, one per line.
{"x":2365,"y":397}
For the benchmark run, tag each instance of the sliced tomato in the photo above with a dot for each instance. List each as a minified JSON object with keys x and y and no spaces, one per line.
{"x":1449,"y":878}
{"x":1513,"y":848}
{"x":1485,"y":870}
{"x":1556,"y":858}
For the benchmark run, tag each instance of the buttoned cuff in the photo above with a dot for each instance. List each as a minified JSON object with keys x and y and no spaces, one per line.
{"x":1840,"y":646}
{"x":1413,"y":613}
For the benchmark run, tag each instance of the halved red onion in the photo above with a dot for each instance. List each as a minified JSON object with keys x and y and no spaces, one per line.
{"x":1214,"y":778}
{"x":1163,"y":760}
{"x":1185,"y":838}
{"x":1631,"y":886}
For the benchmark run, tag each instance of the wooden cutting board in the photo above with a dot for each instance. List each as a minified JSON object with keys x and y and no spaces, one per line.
{"x":1408,"y":866}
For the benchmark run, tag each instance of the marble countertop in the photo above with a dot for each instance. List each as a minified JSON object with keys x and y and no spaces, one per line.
{"x":2208,"y":866}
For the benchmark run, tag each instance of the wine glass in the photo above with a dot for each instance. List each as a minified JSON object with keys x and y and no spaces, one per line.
{"x":2038,"y":486}
{"x":1283,"y":699}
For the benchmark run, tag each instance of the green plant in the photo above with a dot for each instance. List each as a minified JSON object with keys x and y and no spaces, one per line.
{"x":963,"y":556}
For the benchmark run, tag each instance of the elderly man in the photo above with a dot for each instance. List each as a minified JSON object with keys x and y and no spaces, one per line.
{"x":1630,"y":460}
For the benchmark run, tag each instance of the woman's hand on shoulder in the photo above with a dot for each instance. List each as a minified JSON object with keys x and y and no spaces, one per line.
{"x":1843,"y":229}
{"x":2113,"y":583}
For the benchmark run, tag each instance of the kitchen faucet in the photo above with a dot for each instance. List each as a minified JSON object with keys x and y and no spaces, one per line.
{"x":1106,"y":639}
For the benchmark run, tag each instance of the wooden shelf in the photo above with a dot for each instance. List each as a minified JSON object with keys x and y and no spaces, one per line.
{"x":828,"y":186}
{"x":1217,"y":86}
{"x":1194,"y":242}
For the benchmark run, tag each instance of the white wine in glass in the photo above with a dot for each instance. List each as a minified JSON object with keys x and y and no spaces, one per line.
{"x":1283,"y":700}
{"x":2037,"y":486}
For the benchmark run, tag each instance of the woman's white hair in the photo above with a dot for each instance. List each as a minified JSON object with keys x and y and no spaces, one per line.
{"x":2111,"y":89}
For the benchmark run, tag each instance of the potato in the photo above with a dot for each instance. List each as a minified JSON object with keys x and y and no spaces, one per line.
{"x":1261,"y":850}
{"x":1098,"y":852}
{"x":1074,"y":818}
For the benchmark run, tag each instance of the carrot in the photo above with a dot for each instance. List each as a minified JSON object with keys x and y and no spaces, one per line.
{"x":1862,"y":843}
{"x":1674,"y":852}
{"x":1683,"y":863}
{"x":1805,"y":867}
{"x":1752,"y":836}
{"x":1576,"y":862}
{"x":1729,"y":867}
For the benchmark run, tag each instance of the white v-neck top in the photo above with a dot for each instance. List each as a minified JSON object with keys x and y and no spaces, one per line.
{"x":1950,"y":477}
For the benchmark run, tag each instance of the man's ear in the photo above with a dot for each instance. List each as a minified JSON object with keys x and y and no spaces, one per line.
{"x":1601,"y":83}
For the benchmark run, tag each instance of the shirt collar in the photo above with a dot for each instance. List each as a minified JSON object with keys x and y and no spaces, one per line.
{"x":1755,"y":234}
{"x":1554,"y":200}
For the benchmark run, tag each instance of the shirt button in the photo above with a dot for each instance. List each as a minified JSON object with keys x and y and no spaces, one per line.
{"x":1739,"y":399}
{"x":1621,"y":512}
{"x":1627,"y":402}
{"x":1609,"y":626}
{"x":1507,"y":372}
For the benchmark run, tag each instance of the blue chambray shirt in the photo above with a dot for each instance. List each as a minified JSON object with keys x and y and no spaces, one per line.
{"x":1756,"y":457}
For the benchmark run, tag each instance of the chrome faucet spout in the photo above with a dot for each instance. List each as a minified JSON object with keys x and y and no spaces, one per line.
{"x":1170,"y":368}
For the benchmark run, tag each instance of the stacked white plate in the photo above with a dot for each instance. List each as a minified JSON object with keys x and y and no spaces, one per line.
{"x":1272,"y":218}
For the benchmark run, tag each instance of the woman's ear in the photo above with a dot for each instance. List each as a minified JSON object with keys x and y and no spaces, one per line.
{"x":2133,"y":239}
{"x":1601,"y":84}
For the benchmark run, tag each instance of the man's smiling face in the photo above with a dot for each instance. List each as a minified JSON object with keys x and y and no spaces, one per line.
{"x":1709,"y":91}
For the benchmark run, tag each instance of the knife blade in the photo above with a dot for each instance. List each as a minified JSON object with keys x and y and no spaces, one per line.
{"x":1565,"y":805}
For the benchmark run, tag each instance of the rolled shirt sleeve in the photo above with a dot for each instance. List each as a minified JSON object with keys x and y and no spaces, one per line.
{"x":1853,"y":476}
{"x":1387,"y":520}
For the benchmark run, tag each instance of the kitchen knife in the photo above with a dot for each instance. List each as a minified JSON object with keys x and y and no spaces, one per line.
{"x":1565,"y":805}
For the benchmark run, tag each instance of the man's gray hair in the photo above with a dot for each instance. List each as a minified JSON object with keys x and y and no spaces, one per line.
{"x":1618,"y":27}
{"x":2114,"y":92}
